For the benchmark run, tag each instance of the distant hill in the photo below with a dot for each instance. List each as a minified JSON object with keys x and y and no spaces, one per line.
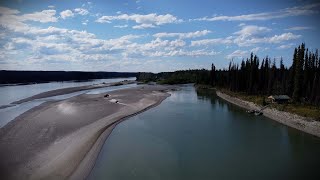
{"x":13,"y":77}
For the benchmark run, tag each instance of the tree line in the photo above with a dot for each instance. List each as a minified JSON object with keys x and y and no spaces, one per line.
{"x":11,"y":77}
{"x":300,"y":81}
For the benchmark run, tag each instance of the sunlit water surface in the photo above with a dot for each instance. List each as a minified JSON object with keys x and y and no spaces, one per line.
{"x":14,"y":93}
{"x":10,"y":94}
{"x":195,"y":135}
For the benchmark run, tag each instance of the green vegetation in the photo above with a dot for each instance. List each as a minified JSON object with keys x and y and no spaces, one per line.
{"x":299,"y":109}
{"x":199,"y":76}
{"x":296,"y":108}
{"x":257,"y":99}
{"x":254,"y":81}
{"x":301,"y":80}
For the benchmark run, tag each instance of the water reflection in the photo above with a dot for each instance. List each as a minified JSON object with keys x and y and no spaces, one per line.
{"x":9,"y":113}
{"x":10,"y":94}
{"x":195,"y":135}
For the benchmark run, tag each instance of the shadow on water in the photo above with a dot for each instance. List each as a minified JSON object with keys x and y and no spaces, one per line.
{"x":302,"y":147}
{"x":195,"y":135}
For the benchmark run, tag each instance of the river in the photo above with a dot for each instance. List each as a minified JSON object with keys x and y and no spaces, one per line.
{"x":13,"y":93}
{"x":196,"y":135}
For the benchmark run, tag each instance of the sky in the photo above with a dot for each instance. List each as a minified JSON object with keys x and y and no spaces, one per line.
{"x":151,"y":35}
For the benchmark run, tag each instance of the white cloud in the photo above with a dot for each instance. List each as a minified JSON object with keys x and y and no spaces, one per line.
{"x":288,"y":12}
{"x":143,"y":26}
{"x":255,"y":50}
{"x":251,"y":34}
{"x":121,"y":26}
{"x":12,"y":20}
{"x":216,"y":41}
{"x":51,"y":7}
{"x":182,"y":35}
{"x":237,"y":54}
{"x":42,"y":16}
{"x":285,"y":46}
{"x":85,"y":22}
{"x":193,"y":53}
{"x":9,"y":46}
{"x":252,"y":30}
{"x":8,"y":11}
{"x":46,"y":31}
{"x":143,"y":21}
{"x":66,"y":13}
{"x":60,"y":45}
{"x":298,"y":28}
{"x":272,"y":40}
{"x":283,"y":37}
{"x":81,"y":11}
{"x":247,"y":38}
{"x":70,"y":45}
{"x":160,"y":45}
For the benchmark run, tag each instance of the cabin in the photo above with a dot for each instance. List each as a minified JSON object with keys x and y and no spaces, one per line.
{"x":279,"y":99}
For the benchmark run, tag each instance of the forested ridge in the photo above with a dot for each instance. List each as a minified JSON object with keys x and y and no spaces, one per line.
{"x":10,"y":77}
{"x":254,"y":76}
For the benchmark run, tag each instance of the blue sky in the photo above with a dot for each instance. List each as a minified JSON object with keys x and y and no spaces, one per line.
{"x":151,"y":35}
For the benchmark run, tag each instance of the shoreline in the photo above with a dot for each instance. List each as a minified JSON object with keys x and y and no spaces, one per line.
{"x":55,"y":81}
{"x":64,"y":91}
{"x":38,"y":143}
{"x":303,"y":124}
{"x":84,"y":168}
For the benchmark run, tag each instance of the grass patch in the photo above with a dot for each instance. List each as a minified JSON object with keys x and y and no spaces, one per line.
{"x":252,"y":98}
{"x":299,"y":109}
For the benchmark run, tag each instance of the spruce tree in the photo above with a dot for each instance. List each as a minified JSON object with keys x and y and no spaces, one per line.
{"x":298,"y":74}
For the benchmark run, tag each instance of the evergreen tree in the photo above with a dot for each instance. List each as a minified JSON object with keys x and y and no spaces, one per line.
{"x":298,"y":74}
{"x":292,"y":73}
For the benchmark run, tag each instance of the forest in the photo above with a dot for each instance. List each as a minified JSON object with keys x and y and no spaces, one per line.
{"x":21,"y":77}
{"x":254,"y":76}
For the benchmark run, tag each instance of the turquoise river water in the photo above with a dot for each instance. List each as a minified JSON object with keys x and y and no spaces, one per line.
{"x":196,"y":135}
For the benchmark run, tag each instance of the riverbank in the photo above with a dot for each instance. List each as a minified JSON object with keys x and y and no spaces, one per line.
{"x":61,"y":139}
{"x":68,"y":90}
{"x":304,"y":124}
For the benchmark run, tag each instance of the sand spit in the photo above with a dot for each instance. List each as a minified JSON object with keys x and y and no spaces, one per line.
{"x":292,"y":120}
{"x":61,"y":140}
{"x":63,"y":91}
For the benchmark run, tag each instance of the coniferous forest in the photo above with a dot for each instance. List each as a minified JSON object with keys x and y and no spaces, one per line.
{"x":255,"y":76}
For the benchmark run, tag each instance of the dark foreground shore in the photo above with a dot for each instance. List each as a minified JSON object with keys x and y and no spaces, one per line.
{"x":61,"y":140}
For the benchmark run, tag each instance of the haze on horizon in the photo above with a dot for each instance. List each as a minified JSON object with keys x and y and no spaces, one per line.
{"x":151,"y":35}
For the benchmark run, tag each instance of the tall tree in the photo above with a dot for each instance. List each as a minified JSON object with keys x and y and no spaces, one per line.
{"x":298,"y":73}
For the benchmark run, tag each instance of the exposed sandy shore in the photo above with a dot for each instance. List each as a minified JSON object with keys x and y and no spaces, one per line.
{"x":69,"y":90}
{"x":61,"y":140}
{"x":298,"y":122}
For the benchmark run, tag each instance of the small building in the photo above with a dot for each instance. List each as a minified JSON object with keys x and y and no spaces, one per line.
{"x":279,"y":98}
